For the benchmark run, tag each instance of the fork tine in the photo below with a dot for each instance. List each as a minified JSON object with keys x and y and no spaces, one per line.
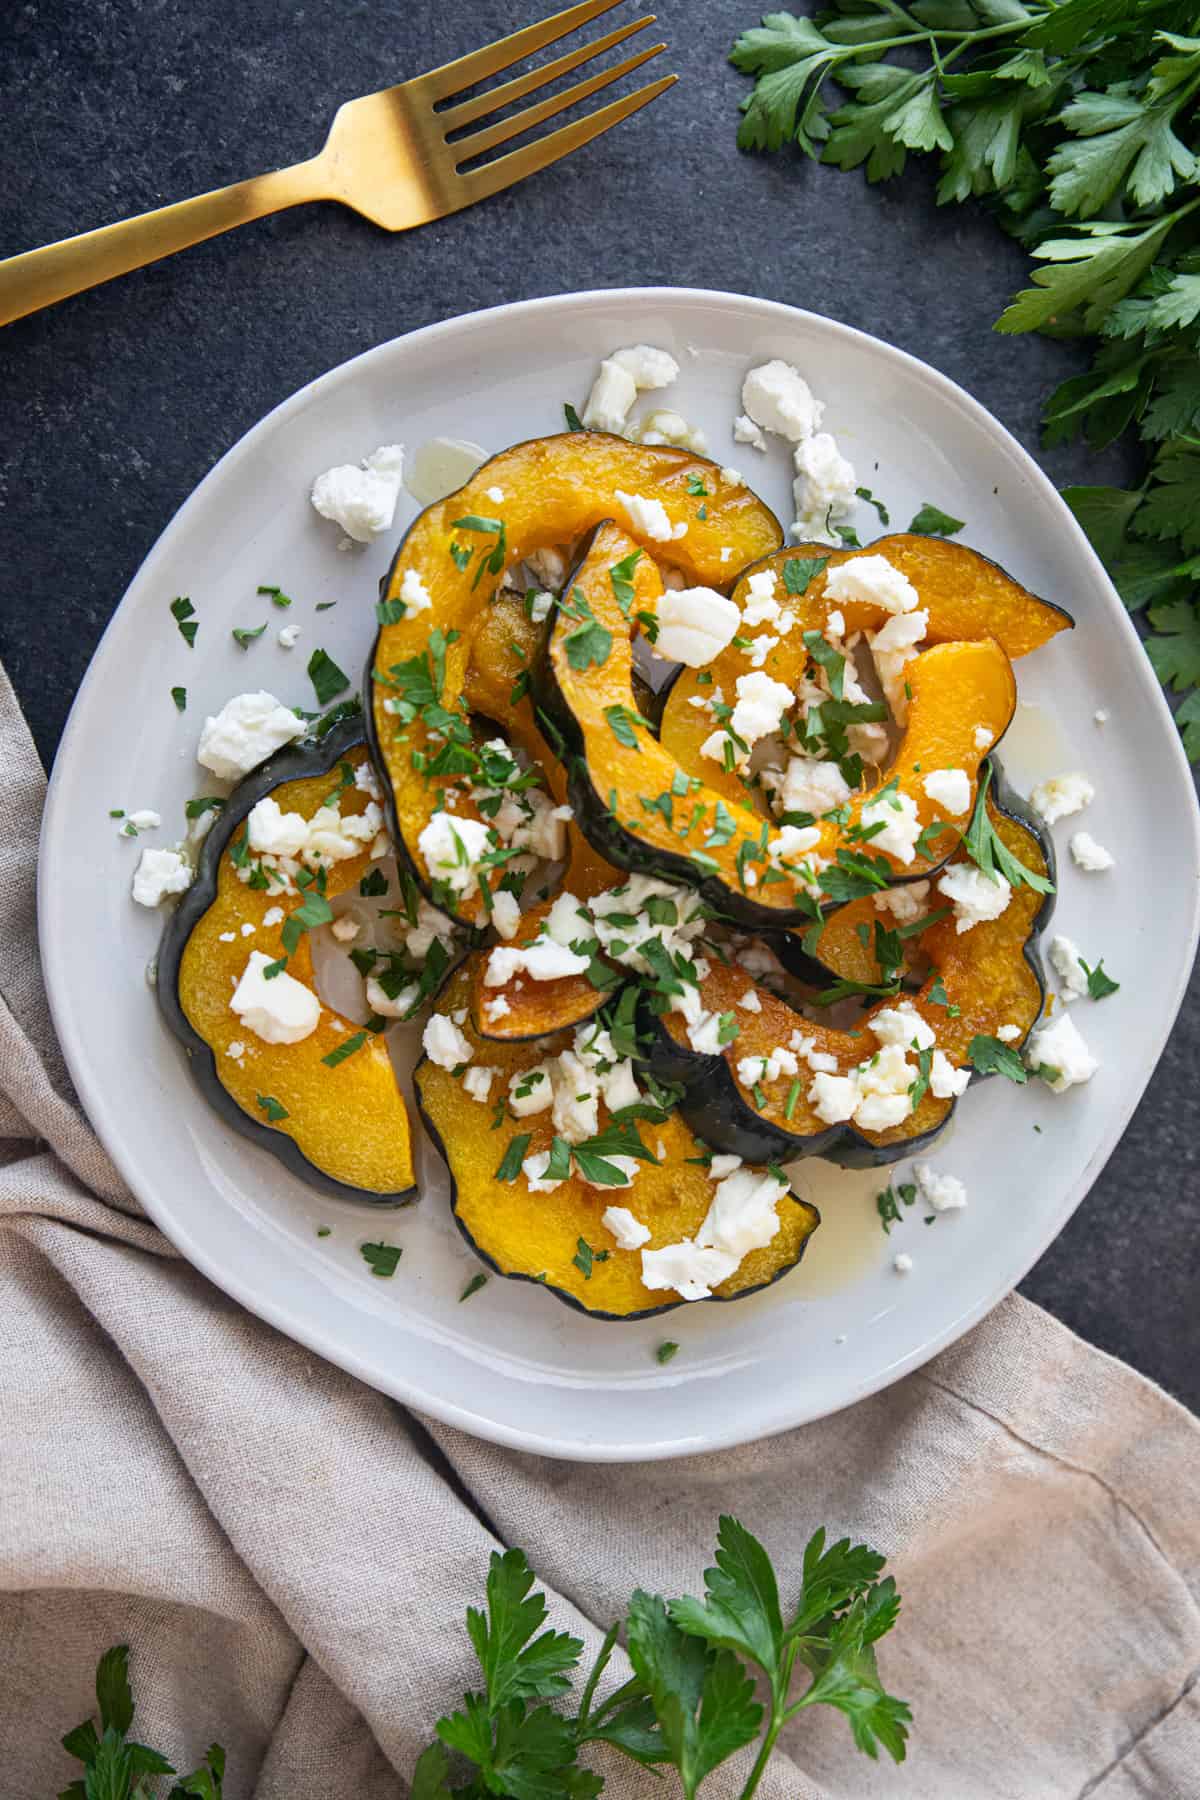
{"x":478,"y":142}
{"x":495,"y":99}
{"x":453,"y":77}
{"x":506,"y":171}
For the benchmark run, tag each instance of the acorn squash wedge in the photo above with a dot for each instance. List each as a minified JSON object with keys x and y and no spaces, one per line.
{"x":558,"y":1239}
{"x":343,"y":1129}
{"x":977,"y":983}
{"x":448,"y":565}
{"x":641,"y":811}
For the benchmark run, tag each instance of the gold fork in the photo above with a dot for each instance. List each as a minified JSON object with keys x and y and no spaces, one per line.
{"x":387,"y":156}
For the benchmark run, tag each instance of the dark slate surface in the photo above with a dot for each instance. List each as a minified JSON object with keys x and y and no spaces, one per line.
{"x":116,"y":403}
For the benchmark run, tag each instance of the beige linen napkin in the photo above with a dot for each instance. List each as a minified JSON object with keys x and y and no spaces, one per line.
{"x":290,"y":1554}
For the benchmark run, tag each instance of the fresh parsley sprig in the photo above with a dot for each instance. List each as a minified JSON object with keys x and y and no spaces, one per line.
{"x":114,"y":1767}
{"x":691,"y":1702}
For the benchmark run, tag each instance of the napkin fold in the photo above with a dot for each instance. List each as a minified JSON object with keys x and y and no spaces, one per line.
{"x":290,"y":1554}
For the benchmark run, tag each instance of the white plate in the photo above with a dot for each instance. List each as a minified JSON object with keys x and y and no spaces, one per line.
{"x":511,"y":1364}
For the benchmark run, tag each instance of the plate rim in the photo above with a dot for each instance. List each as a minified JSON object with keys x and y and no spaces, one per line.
{"x":301,"y":1326}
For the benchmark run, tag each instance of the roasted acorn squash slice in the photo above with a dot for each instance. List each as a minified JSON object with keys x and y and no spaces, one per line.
{"x":446,"y":569}
{"x":536,"y":1237}
{"x":344,"y":1129}
{"x":991,"y":977}
{"x":641,"y":811}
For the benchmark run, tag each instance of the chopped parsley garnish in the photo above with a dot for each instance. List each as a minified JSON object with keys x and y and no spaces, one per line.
{"x":621,"y":576}
{"x":276,"y":596}
{"x":492,"y":560}
{"x":931,"y":521}
{"x":271,"y":1107}
{"x":991,"y":1057}
{"x":473,"y":1286}
{"x":183,"y":613}
{"x":345,"y":1049}
{"x":590,"y":642}
{"x":854,"y":875}
{"x":514,"y":1156}
{"x":585,"y":1256}
{"x":888,"y":1204}
{"x":195,"y":809}
{"x":381,"y":1259}
{"x":574,"y":422}
{"x":695,"y":486}
{"x":727,"y":1028}
{"x":372,"y":884}
{"x":864,"y":493}
{"x":798,"y":571}
{"x":987,"y":850}
{"x":666,"y":1351}
{"x":179,"y":696}
{"x":622,"y":723}
{"x":831,"y":660}
{"x":327,"y":679}
{"x":390,"y":612}
{"x":326,"y":605}
{"x":1100,"y":985}
{"x":245,"y":635}
{"x":460,"y":555}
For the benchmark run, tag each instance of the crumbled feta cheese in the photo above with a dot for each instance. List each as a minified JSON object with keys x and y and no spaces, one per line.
{"x":452,"y":849}
{"x":666,"y":427}
{"x":871,"y":581}
{"x":984,"y":737}
{"x":629,"y":1232}
{"x":753,"y":1069}
{"x":750,"y":1001}
{"x":777,"y":397}
{"x":757,"y":652}
{"x":391,"y":1006}
{"x":414,"y":595}
{"x":1068,"y":966}
{"x":539,"y":606}
{"x":690,"y":1271}
{"x":794,"y":840}
{"x":732,"y":477}
{"x":811,"y":786}
{"x":1062,"y":795}
{"x":901,"y":1024}
{"x":281,"y":1010}
{"x":694,"y":625}
{"x":287,"y":636}
{"x":576,"y":1099}
{"x":647,"y":516}
{"x":977,"y":898}
{"x":647,"y":366}
{"x":247,"y":730}
{"x":761,"y":705}
{"x":497,"y":1009}
{"x":1059,"y":1045}
{"x":905,"y":903}
{"x":619,"y":1087}
{"x":819,"y":1061}
{"x":704,"y":1034}
{"x":477,"y":1082}
{"x":726,"y":553}
{"x":227,"y":937}
{"x":362,"y":500}
{"x":745,"y":431}
{"x":902,"y":1262}
{"x":443,"y":1043}
{"x":742,"y":1215}
{"x":345,"y":929}
{"x":1087,"y":854}
{"x":833,"y":1097}
{"x":941,"y":1193}
{"x":506,"y":913}
{"x":613,"y":394}
{"x":1100,"y":716}
{"x":1008,"y":1034}
{"x":541,"y":959}
{"x":273,"y":916}
{"x":883,"y":1086}
{"x":534,"y":1170}
{"x":236,"y":1050}
{"x":142,"y":821}
{"x":531,"y":1090}
{"x":897,"y":813}
{"x":945,"y":1081}
{"x":949,"y":789}
{"x":159,"y":873}
{"x":824,"y":488}
{"x":495,"y":495}
{"x":761,"y":606}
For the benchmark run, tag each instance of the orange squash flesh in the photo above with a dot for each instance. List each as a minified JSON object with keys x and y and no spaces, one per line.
{"x":955,"y":687}
{"x":536,"y":1236}
{"x":350,"y":1122}
{"x":987,"y":980}
{"x":554,"y":489}
{"x":965,"y":595}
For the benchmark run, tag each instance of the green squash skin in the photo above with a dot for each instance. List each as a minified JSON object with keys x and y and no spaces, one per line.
{"x":714,"y":1108}
{"x":295,"y":763}
{"x":572,"y":1300}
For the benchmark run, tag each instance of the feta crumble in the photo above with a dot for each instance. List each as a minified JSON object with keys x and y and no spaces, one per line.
{"x":452,"y":849}
{"x":940,"y":1193}
{"x":247,"y":730}
{"x":160,"y":873}
{"x":902,"y":1262}
{"x":647,"y":516}
{"x":824,"y":490}
{"x":950,"y":789}
{"x":1068,"y":966}
{"x":776,"y":397}
{"x":745,"y":431}
{"x":287,"y":636}
{"x":629,"y":1232}
{"x":897,"y":813}
{"x":977,"y":898}
{"x":1062,"y":795}
{"x":1087,"y":854}
{"x":871,"y":581}
{"x":694,"y":625}
{"x":362,"y":499}
{"x":477,"y":1082}
{"x":1059,"y":1045}
{"x":443,"y":1042}
{"x":281,"y":1010}
{"x":414,"y":595}
{"x":611,"y":399}
{"x":647,"y":366}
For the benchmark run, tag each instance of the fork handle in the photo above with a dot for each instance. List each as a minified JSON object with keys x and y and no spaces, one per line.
{"x":41,"y":277}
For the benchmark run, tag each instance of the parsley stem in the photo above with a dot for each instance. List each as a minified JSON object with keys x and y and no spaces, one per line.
{"x":780,"y":1714}
{"x":598,"y":1668}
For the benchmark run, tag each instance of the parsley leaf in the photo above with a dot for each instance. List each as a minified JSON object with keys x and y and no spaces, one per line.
{"x":932,"y":522}
{"x":381,"y":1259}
{"x":327,"y":679}
{"x":988,"y":851}
{"x":1100,"y":984}
{"x":991,"y":1057}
